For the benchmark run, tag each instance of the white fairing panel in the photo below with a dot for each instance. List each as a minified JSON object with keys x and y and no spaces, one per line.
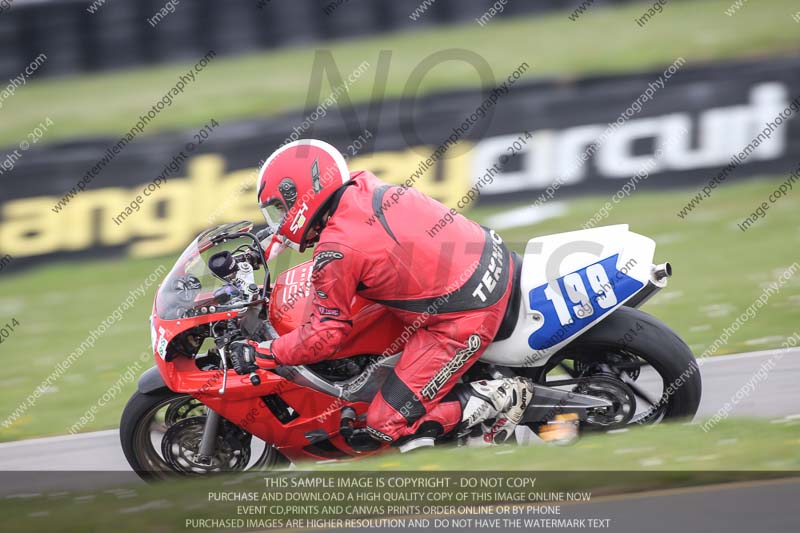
{"x":569,"y":283}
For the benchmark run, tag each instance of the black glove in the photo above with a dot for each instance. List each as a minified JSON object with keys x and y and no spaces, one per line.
{"x":243,"y":357}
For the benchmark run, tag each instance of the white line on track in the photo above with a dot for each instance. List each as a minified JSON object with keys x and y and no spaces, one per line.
{"x":748,"y":355}
{"x":60,"y":438}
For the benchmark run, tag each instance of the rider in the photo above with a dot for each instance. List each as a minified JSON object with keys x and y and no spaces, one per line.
{"x":452,"y":290}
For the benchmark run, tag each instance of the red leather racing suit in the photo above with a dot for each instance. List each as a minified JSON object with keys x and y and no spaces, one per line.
{"x":444,"y":276}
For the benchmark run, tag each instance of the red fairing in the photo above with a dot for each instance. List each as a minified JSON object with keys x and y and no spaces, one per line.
{"x":289,"y":303}
{"x":242,"y":402}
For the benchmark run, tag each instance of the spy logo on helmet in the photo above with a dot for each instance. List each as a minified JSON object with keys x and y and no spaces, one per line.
{"x":315,"y":181}
{"x":299,"y":218}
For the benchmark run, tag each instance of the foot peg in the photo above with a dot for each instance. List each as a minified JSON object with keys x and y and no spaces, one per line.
{"x":357,"y":438}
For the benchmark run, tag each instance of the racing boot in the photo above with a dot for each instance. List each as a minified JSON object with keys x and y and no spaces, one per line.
{"x":491,"y":410}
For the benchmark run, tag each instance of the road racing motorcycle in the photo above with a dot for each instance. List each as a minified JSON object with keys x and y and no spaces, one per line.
{"x":572,"y":326}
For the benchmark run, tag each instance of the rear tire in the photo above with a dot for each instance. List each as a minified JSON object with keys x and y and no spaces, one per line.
{"x":636,"y":332}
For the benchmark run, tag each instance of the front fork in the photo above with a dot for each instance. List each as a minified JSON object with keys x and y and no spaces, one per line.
{"x":209,"y":440}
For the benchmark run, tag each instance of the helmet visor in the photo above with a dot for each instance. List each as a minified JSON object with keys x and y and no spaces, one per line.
{"x":274,"y":213}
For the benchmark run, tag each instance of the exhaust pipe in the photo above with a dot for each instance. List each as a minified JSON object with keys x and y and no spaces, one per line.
{"x":662,"y":271}
{"x":660,"y":274}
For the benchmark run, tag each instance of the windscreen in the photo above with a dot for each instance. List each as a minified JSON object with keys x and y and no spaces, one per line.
{"x":191,"y":288}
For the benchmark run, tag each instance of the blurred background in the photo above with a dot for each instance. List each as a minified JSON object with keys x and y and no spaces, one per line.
{"x":564,"y":114}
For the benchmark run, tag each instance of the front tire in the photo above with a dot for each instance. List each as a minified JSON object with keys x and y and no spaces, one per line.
{"x":132,"y":436}
{"x":146,"y":422}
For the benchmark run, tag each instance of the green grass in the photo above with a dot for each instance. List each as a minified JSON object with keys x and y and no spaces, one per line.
{"x":719,"y":272}
{"x":733,"y":445}
{"x":660,"y":457}
{"x":603,"y":40}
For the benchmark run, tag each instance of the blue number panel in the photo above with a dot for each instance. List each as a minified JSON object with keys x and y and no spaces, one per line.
{"x":578,"y":299}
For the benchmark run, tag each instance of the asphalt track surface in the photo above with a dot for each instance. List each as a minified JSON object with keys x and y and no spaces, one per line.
{"x":745,"y":507}
{"x":777,"y":397}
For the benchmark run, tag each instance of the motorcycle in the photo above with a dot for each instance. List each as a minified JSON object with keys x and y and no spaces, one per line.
{"x":572,"y":326}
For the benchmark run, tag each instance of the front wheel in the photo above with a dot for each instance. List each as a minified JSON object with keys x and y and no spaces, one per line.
{"x":635,"y":361}
{"x":161,"y":432}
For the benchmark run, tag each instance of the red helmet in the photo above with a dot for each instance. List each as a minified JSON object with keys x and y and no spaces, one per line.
{"x":294,"y":185}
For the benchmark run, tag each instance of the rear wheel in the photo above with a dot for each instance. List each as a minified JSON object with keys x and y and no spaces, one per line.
{"x":161,"y":431}
{"x":637,"y":363}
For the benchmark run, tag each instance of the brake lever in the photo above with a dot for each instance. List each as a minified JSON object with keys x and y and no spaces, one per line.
{"x":255,"y":379}
{"x":224,"y":358}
